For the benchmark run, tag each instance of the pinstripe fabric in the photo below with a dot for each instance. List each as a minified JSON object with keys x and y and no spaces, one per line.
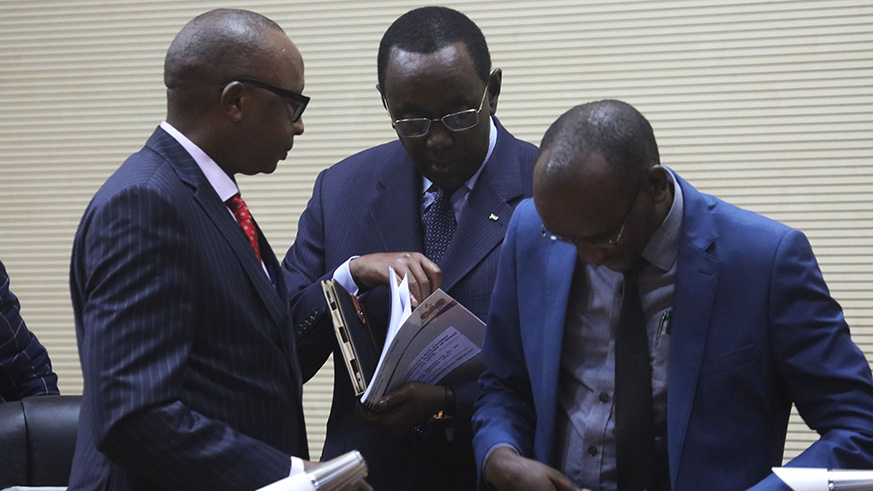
{"x":25,"y":368}
{"x":368,"y":203}
{"x":191,"y":381}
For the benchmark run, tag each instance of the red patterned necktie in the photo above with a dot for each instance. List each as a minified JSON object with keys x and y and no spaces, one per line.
{"x":241,"y":212}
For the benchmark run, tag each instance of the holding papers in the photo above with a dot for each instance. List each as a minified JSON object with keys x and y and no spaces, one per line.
{"x":438,"y":341}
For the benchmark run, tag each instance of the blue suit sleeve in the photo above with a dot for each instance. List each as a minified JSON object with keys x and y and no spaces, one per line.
{"x":305,"y":267}
{"x":505,"y":411}
{"x":826,"y":374}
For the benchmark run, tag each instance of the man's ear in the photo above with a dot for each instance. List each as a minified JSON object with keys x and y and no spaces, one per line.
{"x":382,"y":95}
{"x":232,"y":97}
{"x":494,"y":81}
{"x":659,"y":178}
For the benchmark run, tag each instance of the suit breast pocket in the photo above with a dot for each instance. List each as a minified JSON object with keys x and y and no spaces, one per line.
{"x":731,"y":360}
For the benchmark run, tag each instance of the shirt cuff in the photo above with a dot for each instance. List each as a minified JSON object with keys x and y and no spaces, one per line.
{"x":343,"y":275}
{"x":296,"y":466}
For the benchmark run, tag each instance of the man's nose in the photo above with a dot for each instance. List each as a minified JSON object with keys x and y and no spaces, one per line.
{"x":590,"y":254}
{"x":438,"y":137}
{"x":298,"y":126}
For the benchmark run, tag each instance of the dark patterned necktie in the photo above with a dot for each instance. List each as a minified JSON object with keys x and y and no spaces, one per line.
{"x":439,"y":225}
{"x":634,"y":411}
{"x":244,"y":217}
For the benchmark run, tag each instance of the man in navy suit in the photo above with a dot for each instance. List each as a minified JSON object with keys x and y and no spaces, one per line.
{"x":191,"y":376}
{"x":370,"y":212}
{"x":735,"y":323}
{"x":25,"y":368}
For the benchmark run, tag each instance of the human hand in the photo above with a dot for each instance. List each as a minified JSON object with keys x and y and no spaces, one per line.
{"x":406,"y":407}
{"x":505,"y":470}
{"x":371,"y":270}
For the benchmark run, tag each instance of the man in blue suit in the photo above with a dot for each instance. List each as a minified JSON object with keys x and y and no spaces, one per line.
{"x":25,"y":368}
{"x":191,"y":377}
{"x":374,"y":210}
{"x":735,"y":323}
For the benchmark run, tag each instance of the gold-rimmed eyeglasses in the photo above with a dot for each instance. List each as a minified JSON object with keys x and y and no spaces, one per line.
{"x":459,"y":121}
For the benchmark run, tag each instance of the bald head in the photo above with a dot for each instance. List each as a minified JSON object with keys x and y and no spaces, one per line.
{"x":598,"y":182}
{"x":214,"y":48}
{"x":614,"y":129}
{"x":228,"y":73}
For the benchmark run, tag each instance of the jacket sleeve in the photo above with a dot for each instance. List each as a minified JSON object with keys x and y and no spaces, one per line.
{"x":826,"y":374}
{"x":25,"y":368}
{"x":304,"y":268}
{"x":505,"y":411}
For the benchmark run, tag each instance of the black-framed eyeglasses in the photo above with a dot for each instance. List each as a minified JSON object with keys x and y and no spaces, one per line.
{"x":599,"y":243}
{"x":299,"y":101}
{"x":459,"y":121}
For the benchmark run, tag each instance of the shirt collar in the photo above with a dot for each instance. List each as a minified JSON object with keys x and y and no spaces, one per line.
{"x":663,"y":247}
{"x":223,"y":185}
{"x":492,"y":142}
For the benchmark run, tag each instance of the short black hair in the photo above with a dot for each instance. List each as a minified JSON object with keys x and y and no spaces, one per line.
{"x":429,"y":29}
{"x":615,"y":128}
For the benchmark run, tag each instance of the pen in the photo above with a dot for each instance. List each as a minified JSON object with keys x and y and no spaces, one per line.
{"x":664,"y":324}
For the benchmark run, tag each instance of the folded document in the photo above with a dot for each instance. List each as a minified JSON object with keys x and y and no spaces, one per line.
{"x":439,"y":341}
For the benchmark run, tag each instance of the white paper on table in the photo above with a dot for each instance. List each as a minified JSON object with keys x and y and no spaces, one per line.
{"x":803,"y":479}
{"x":297,"y":482}
{"x":819,"y":479}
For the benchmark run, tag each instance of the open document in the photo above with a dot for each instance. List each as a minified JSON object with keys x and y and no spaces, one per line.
{"x":427,"y":344}
{"x":439,"y":341}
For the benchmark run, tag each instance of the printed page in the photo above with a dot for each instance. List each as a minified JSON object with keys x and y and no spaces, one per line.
{"x":445,"y":353}
{"x":435,"y":340}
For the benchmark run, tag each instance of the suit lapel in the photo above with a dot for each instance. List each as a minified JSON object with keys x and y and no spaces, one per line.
{"x":697,"y":276}
{"x":285,"y":334}
{"x":552,"y":304}
{"x":394,"y":211}
{"x":486,"y":215}
{"x":239,"y":243}
{"x":190,"y":173}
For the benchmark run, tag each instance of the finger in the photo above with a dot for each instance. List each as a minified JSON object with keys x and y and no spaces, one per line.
{"x":418,"y":282}
{"x":561,"y":482}
{"x":433,"y":272}
{"x":411,"y":286}
{"x":393,"y":399}
{"x":428,"y":276}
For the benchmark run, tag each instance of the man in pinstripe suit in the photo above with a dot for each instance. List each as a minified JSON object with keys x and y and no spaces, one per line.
{"x":191,"y":378}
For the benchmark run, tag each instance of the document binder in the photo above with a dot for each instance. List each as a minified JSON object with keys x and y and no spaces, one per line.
{"x":353,"y":334}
